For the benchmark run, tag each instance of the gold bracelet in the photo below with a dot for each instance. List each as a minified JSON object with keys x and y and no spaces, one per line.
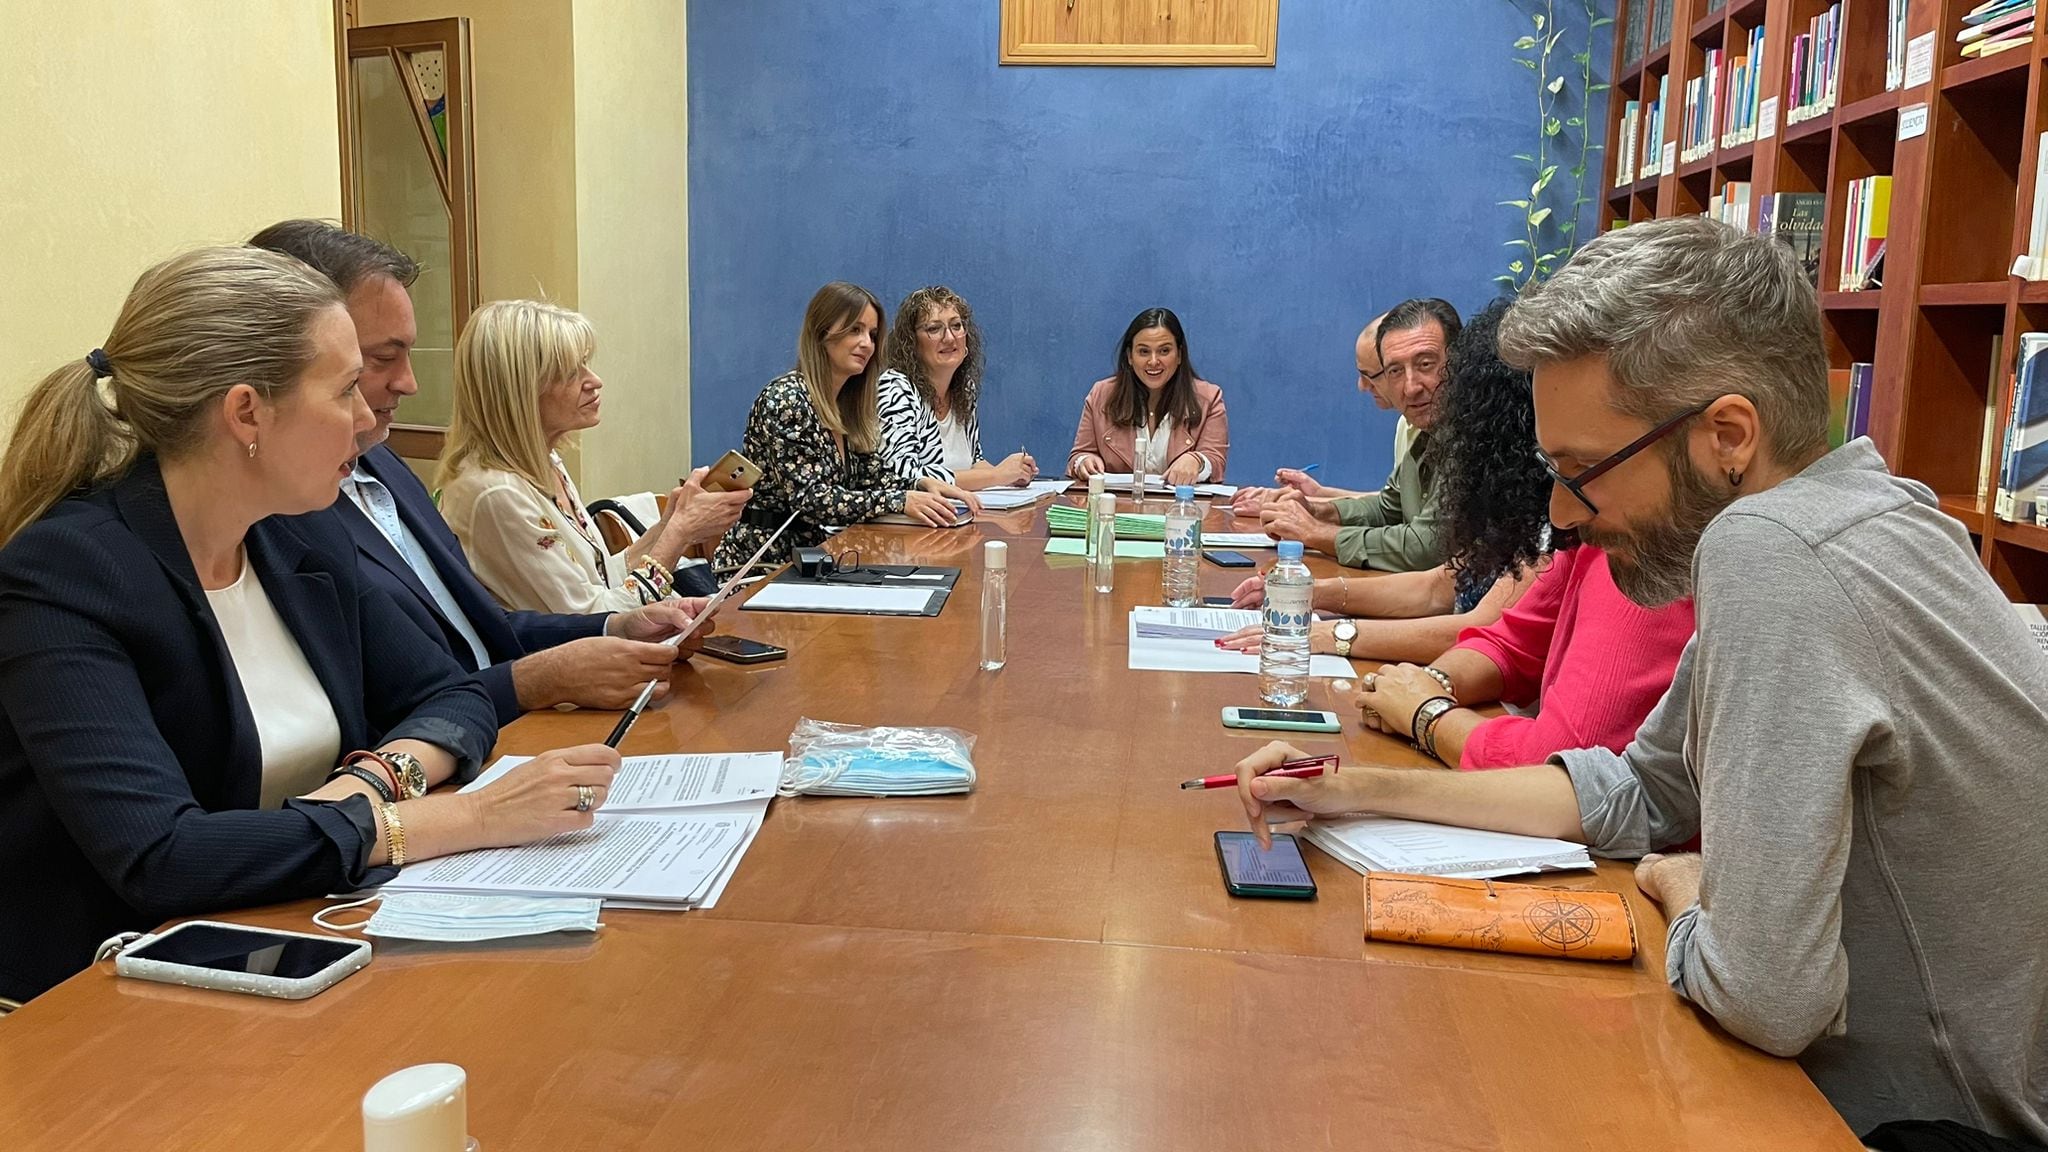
{"x":1344,"y":593}
{"x":394,"y":831}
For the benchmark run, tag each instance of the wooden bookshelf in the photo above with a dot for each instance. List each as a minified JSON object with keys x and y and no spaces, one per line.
{"x":1962,"y":196}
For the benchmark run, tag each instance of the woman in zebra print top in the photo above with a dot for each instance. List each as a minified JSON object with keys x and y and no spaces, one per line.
{"x":931,"y":429}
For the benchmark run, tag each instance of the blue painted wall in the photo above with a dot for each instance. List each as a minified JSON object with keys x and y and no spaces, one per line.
{"x":1275,"y":209}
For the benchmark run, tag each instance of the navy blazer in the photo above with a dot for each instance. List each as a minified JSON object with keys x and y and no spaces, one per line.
{"x":130,"y":766}
{"x":506,"y":635}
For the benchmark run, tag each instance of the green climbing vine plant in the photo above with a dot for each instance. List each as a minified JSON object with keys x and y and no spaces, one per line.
{"x":1549,"y":213}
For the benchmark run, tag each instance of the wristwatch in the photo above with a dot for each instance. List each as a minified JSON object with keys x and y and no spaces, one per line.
{"x":406,"y":771}
{"x":412,"y":775}
{"x":1346,"y":631}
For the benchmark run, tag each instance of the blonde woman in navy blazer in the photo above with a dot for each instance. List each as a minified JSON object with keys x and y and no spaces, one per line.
{"x":184,"y":673}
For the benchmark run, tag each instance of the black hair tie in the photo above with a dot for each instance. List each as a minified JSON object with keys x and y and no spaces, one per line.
{"x":98,"y":362}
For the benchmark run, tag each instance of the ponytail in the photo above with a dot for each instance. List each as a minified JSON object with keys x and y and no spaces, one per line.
{"x":193,"y":327}
{"x":66,"y":438}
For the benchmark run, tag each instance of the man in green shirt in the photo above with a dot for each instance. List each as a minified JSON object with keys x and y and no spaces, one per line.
{"x":1397,"y":528}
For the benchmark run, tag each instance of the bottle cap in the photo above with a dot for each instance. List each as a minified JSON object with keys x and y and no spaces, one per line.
{"x":995,"y":554}
{"x":1183,"y":491}
{"x":1290,"y":549}
{"x":1096,"y":484}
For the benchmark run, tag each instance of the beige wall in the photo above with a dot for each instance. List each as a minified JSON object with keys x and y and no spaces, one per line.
{"x":131,"y":130}
{"x":632,"y":231}
{"x":581,"y":114}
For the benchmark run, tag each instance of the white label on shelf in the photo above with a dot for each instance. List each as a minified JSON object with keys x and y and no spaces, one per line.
{"x":1919,"y":60}
{"x":1912,"y":121}
{"x":1767,"y":119}
{"x":1670,"y":157}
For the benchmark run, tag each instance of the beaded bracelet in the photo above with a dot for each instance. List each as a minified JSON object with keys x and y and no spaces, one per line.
{"x":1444,"y":678}
{"x":651,"y":581}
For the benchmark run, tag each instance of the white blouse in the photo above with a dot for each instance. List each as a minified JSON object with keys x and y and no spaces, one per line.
{"x":295,"y":722}
{"x":1156,"y":449}
{"x":956,"y":443}
{"x":531,"y":556}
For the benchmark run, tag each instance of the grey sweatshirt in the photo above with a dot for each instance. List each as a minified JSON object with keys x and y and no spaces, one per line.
{"x":1859,"y":735}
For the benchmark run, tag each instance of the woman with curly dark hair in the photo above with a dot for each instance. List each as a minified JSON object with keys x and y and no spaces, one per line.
{"x":929,"y":398}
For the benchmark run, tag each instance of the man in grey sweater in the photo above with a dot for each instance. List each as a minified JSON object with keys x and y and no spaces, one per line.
{"x":1857,"y":734}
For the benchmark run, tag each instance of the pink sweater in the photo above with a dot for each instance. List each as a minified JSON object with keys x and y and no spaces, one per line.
{"x":1595,"y":660}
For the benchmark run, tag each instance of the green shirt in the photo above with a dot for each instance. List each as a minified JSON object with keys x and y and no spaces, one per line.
{"x":1399,"y":529}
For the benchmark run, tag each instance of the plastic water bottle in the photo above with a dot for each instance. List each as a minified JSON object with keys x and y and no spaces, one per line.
{"x":1095,"y":488}
{"x":1102,"y":569}
{"x":1143,"y":448}
{"x":1183,"y":549}
{"x":1283,"y":658}
{"x":995,"y":602}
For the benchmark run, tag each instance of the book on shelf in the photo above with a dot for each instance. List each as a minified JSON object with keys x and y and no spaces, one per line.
{"x":1988,"y":455}
{"x":1743,"y":95}
{"x":1895,"y":43}
{"x":1627,"y":136}
{"x":1995,"y":27}
{"x":1660,"y":23}
{"x":1816,"y":67}
{"x":1865,"y":225}
{"x":1848,"y":403}
{"x":2023,"y":466}
{"x":1632,"y":49}
{"x":1731,"y":205}
{"x":2034,"y":265}
{"x":1795,"y":218}
{"x":1651,"y":152}
{"x":1702,"y":98}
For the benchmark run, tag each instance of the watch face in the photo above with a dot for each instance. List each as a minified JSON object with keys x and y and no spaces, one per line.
{"x":1345,"y":630}
{"x":412,"y":775}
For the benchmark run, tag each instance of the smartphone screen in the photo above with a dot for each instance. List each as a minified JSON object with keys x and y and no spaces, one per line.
{"x":1277,"y":871}
{"x":246,"y":950}
{"x":1280,"y":716}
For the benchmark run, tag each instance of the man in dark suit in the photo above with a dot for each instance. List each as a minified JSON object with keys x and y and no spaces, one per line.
{"x":525,"y":660}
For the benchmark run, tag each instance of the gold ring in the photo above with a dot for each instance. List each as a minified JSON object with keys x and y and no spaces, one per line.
{"x":586,"y":797}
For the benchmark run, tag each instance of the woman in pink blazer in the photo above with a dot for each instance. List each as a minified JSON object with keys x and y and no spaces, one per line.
{"x":1154,"y":382}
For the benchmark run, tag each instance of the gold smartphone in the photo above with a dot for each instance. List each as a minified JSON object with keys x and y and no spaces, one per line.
{"x":732,"y":473}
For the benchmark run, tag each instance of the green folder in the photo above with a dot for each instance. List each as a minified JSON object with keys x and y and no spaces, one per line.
{"x":1125,"y":549}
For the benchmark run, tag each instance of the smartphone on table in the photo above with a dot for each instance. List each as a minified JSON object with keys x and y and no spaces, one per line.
{"x":1282,"y":719}
{"x":1223,"y":559}
{"x":741,"y":650}
{"x":732,"y":473}
{"x":1277,"y":873}
{"x":238,"y":958}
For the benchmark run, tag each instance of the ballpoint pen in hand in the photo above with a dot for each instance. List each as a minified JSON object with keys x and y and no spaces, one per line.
{"x":1304,"y":769}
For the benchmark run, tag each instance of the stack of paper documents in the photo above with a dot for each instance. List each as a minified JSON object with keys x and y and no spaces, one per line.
{"x":1384,"y":844}
{"x":1238,"y":540}
{"x":1184,"y":640}
{"x":670,"y":834}
{"x":1067,"y":520}
{"x":1004,"y":499}
{"x":1125,"y":549}
{"x":1121,"y":482}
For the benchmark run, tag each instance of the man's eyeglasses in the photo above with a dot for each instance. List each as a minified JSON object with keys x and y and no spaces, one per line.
{"x":1576,"y":485}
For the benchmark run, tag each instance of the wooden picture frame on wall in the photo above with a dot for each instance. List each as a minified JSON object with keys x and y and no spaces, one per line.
{"x":1184,"y":33}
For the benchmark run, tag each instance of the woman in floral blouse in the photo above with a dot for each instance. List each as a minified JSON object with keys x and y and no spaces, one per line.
{"x":816,"y":435}
{"x":523,"y":383}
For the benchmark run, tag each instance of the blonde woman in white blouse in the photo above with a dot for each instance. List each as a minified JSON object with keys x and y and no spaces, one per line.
{"x":522,"y":383}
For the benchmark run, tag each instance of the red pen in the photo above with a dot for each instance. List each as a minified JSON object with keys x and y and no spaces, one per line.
{"x":1304,"y":769}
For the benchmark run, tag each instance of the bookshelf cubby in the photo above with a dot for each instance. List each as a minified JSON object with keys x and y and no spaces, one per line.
{"x":1942,"y":332}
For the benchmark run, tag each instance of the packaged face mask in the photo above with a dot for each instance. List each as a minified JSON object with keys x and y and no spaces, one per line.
{"x":842,"y":760}
{"x":457,"y":918}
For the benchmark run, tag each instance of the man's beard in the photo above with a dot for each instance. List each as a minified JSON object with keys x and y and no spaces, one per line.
{"x":1654,"y":564}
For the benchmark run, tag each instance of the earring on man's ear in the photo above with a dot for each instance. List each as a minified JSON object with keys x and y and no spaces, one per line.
{"x":1734,"y":477}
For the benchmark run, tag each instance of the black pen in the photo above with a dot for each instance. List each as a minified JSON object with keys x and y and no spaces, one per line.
{"x":625,"y":723}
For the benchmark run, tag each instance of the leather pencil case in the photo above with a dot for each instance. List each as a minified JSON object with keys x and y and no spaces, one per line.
{"x":1490,"y":916}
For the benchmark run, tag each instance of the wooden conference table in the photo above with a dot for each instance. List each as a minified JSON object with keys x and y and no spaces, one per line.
{"x":1048,"y":963}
